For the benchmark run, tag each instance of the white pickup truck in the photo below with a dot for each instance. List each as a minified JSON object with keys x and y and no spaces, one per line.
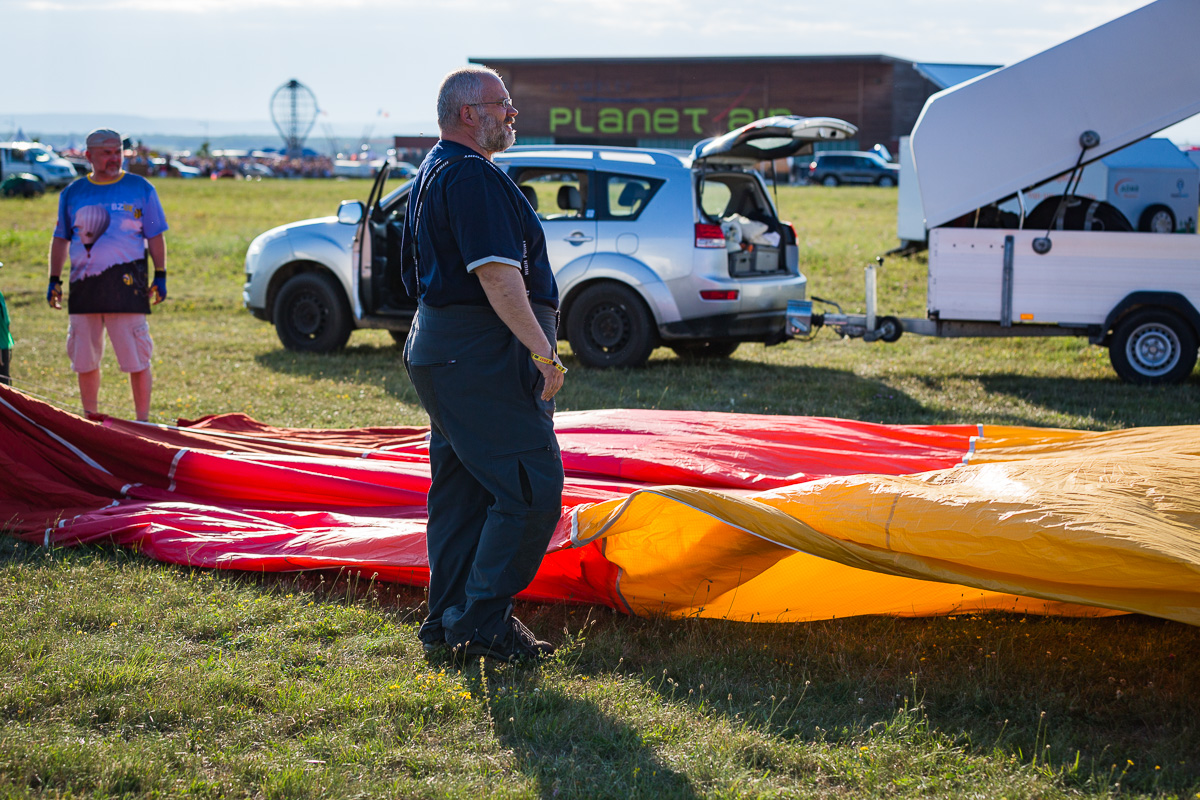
{"x":987,"y":142}
{"x":37,"y":160}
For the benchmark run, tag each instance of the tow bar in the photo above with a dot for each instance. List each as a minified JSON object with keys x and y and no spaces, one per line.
{"x":803,"y":322}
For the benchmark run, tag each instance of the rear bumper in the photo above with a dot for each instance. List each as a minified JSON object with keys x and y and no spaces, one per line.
{"x":763,"y":326}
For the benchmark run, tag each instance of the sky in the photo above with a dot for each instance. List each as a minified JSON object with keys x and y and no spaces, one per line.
{"x":377,"y":63}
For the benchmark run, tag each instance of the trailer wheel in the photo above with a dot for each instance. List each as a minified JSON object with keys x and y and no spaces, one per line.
{"x":1157,"y":219}
{"x":890,"y":329}
{"x":1153,"y":346}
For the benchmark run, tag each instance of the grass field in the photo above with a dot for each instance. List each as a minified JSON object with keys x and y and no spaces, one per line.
{"x":123,"y":677}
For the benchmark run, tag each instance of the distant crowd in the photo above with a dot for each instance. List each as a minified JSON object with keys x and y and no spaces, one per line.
{"x":279,"y":167}
{"x":142,"y":160}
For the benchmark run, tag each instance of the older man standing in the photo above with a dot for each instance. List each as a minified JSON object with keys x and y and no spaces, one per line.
{"x":107,"y":223}
{"x":481,"y":355}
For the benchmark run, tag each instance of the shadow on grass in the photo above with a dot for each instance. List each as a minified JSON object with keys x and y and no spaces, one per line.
{"x":1110,"y":402}
{"x":366,"y":364}
{"x":571,"y":748}
{"x":665,"y":383}
{"x":1100,"y":700}
{"x":748,"y":385}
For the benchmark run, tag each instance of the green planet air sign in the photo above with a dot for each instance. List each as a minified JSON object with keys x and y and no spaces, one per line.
{"x":651,"y":120}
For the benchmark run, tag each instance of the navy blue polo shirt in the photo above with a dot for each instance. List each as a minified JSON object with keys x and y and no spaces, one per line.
{"x":471,"y":214}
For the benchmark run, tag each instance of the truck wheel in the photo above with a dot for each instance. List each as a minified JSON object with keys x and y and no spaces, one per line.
{"x":699,"y":350}
{"x":1157,"y":219}
{"x":829,"y":180}
{"x":609,"y":326}
{"x":886,"y":181}
{"x":1153,"y":346}
{"x":311,"y":315}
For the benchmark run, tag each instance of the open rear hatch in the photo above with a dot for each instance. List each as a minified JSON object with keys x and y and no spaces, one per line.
{"x":770,"y":138}
{"x":737,"y":214}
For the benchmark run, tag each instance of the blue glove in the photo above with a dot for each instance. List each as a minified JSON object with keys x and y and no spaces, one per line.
{"x":54,"y":293}
{"x":158,"y":287}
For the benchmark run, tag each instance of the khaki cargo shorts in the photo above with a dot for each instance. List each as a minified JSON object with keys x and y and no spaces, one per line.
{"x":129,"y":334}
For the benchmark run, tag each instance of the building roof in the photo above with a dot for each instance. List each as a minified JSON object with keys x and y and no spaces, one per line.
{"x":944,"y":76}
{"x":689,"y":59}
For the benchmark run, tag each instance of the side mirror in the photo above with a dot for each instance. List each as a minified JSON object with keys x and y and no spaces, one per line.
{"x":350,"y":212}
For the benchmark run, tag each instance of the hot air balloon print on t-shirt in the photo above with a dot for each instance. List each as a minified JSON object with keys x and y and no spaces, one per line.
{"x":106,"y":235}
{"x":91,"y":222}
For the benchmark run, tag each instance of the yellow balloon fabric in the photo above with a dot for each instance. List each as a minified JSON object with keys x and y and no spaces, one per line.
{"x":1036,"y":521}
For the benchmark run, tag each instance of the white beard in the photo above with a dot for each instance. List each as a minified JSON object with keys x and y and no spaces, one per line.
{"x":493,"y":136}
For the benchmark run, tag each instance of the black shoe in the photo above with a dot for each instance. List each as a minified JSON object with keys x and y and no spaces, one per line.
{"x":517,"y":644}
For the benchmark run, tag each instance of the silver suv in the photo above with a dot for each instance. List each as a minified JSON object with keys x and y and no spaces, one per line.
{"x":648,"y":247}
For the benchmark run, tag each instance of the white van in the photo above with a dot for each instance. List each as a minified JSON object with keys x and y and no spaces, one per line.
{"x":36,"y":159}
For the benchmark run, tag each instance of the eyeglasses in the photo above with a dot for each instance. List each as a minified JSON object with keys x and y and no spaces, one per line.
{"x":506,"y":103}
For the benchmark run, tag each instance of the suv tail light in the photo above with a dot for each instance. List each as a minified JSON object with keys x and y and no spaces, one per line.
{"x":792,"y":228}
{"x":709,"y":236}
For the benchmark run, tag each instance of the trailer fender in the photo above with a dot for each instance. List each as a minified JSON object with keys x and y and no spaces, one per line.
{"x":1135,"y":300}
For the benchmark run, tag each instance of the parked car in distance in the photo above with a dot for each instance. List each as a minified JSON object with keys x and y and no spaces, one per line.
{"x":22,"y":184}
{"x":855,"y":167}
{"x":648,"y":247}
{"x":403,"y":169}
{"x":35,"y":159}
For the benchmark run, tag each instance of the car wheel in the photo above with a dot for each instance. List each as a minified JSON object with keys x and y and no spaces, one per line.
{"x":886,"y":181}
{"x":311,"y":314}
{"x":1157,"y":219}
{"x":830,"y":180}
{"x":699,"y":350}
{"x":609,"y":326}
{"x":1153,"y":346}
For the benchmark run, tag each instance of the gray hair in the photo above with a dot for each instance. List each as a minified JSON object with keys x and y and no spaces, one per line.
{"x":103,"y":136}
{"x":462,"y":87}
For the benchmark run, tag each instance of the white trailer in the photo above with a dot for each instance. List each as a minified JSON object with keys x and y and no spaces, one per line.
{"x":991,"y":140}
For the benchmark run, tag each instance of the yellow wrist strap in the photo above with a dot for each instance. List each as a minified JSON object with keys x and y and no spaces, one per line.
{"x":549,"y":361}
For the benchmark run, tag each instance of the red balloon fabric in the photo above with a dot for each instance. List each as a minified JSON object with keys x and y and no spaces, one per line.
{"x":230,"y":492}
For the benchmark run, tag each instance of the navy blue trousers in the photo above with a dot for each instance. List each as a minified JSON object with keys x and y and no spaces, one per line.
{"x":496,"y":494}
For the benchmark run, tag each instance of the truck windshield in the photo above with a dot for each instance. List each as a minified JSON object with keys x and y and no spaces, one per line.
{"x":37,"y":154}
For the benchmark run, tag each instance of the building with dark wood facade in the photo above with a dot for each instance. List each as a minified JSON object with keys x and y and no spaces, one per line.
{"x":675,"y":102}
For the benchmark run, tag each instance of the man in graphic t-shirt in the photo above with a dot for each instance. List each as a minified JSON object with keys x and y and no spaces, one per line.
{"x":107,"y":223}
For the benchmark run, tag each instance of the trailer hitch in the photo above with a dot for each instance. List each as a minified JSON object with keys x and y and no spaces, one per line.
{"x":803,"y":322}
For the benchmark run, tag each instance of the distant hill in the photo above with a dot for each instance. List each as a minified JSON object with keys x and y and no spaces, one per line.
{"x":176,"y":134}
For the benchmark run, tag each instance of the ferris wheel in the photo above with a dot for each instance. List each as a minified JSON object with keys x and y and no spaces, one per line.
{"x":294,"y":111}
